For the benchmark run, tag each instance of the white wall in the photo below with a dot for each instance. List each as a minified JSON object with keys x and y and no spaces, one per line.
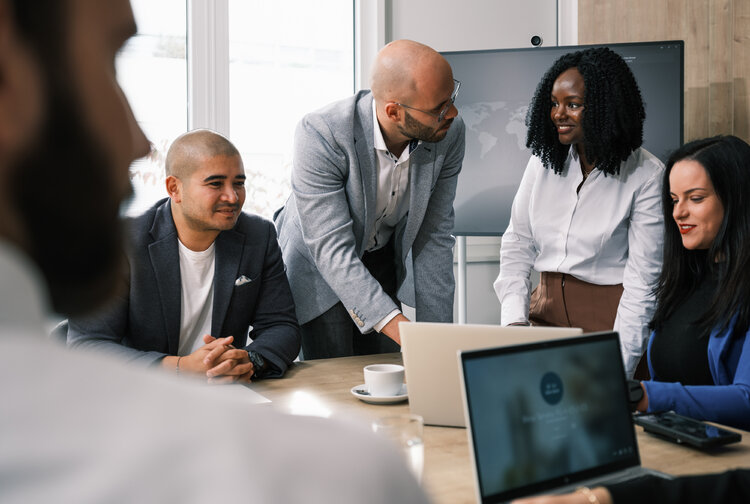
{"x":447,"y":25}
{"x":458,"y":26}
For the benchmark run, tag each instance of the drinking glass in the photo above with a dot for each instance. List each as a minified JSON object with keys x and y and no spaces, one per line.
{"x":406,"y":432}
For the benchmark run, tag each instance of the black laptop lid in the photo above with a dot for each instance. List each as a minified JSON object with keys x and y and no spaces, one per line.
{"x":547,"y":414}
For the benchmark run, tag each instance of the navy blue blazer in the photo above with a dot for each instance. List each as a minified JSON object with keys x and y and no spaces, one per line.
{"x":143,"y":323}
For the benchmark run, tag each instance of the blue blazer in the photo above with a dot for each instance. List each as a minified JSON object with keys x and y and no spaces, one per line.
{"x":143,"y":323}
{"x":728,"y":400}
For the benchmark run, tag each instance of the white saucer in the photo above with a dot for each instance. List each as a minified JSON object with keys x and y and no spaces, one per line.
{"x":360,"y":392}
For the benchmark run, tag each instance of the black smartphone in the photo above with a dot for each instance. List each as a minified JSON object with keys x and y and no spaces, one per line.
{"x":682,"y":429}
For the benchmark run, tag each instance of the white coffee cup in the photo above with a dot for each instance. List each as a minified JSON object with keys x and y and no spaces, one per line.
{"x":384,"y":380}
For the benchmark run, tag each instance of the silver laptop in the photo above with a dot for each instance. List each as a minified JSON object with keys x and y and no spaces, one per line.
{"x":429,"y":352}
{"x":548,"y":417}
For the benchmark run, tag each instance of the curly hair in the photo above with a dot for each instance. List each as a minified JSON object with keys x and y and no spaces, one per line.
{"x":613,"y":114}
{"x":726,"y":160}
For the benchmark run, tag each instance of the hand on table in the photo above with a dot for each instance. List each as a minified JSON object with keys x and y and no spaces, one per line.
{"x":229,"y":365}
{"x":391,"y":328}
{"x":217,"y":360}
{"x":643,"y":403}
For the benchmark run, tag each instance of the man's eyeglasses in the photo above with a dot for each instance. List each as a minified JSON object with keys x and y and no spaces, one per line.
{"x":438,"y":115}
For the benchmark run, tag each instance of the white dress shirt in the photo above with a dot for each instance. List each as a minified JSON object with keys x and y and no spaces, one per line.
{"x":608,"y":233}
{"x":81,"y":427}
{"x":393,"y":184}
{"x":392,"y":195}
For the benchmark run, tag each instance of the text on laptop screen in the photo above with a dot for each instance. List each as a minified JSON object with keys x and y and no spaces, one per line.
{"x":543,"y":414}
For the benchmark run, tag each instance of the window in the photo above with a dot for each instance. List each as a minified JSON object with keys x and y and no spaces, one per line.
{"x":284,"y":59}
{"x":152,"y":71}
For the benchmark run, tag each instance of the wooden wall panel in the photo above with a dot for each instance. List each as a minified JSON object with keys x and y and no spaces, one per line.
{"x":720,"y":95}
{"x":717,"y":52}
{"x":694,"y":18}
{"x":697,"y":58}
{"x":741,"y":69}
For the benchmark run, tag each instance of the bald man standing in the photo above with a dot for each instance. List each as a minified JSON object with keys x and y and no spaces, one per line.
{"x":369,"y":221}
{"x":201,"y":275}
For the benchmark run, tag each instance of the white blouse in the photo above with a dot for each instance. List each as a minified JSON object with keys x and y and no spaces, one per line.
{"x":608,"y":233}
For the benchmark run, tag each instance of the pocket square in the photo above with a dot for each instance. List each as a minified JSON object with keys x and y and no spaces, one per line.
{"x":241,"y":281}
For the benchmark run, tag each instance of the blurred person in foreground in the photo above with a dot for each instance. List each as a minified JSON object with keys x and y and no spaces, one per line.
{"x":78,"y":427}
{"x":201,"y":274}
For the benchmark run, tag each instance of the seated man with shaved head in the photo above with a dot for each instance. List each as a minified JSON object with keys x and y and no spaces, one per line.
{"x":369,"y":221}
{"x":202,"y":274}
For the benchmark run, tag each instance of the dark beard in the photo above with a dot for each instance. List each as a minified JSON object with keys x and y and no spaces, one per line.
{"x":416,"y":130}
{"x":67,"y":199}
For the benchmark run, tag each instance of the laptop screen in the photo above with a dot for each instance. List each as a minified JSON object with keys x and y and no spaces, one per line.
{"x":547,"y":414}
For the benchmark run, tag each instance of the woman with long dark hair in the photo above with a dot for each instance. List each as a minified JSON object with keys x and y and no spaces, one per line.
{"x":587,"y":212}
{"x":699,"y":352}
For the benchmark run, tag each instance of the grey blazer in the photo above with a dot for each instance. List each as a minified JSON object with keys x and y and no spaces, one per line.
{"x":143,"y":324}
{"x":324,"y":226}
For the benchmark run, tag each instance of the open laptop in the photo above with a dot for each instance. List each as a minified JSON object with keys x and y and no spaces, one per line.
{"x":429,"y":352}
{"x":548,"y":417}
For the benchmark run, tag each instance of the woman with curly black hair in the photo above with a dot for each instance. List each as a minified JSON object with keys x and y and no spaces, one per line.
{"x":587,"y":214}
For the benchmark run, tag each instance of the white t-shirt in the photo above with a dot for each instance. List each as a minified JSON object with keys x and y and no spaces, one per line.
{"x":197,"y":296}
{"x":609,"y":232}
{"x":86,"y":428}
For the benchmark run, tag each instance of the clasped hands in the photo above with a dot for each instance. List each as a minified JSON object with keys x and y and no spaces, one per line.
{"x":218,"y":361}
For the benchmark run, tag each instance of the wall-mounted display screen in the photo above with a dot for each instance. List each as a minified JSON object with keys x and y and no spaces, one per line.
{"x":496,"y":88}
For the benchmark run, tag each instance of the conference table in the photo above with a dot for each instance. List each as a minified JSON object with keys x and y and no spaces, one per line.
{"x":322,"y":388}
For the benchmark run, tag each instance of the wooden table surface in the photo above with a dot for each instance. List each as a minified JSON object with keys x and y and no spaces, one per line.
{"x":322,"y":387}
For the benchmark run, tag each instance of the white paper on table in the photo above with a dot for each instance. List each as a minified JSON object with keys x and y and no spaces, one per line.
{"x":239,"y":394}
